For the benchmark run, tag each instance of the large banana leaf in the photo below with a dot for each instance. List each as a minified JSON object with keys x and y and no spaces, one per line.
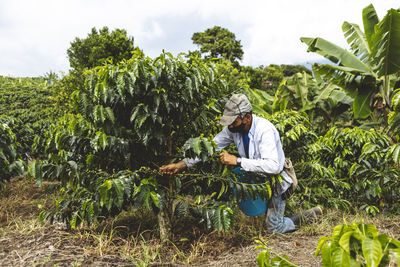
{"x":386,"y":44}
{"x":335,"y":53}
{"x":370,"y":19}
{"x":261,"y":101}
{"x":361,"y":106}
{"x":325,"y":93}
{"x":344,"y":77}
{"x":300,"y":88}
{"x":356,"y":39}
{"x":341,"y":96}
{"x":340,"y":76}
{"x":376,"y":57}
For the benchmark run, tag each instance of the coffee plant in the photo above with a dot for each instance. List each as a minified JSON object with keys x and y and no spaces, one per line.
{"x":26,"y":105}
{"x":394,"y":116}
{"x":11,"y":163}
{"x":130,"y":119}
{"x":349,"y":168}
{"x":27,"y":99}
{"x":265,"y":259}
{"x":363,"y":160}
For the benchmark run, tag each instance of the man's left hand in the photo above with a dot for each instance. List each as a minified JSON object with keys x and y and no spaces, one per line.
{"x":227,"y":158}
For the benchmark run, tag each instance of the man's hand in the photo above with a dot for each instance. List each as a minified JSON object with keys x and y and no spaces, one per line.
{"x":172,"y":168}
{"x":227,"y":158}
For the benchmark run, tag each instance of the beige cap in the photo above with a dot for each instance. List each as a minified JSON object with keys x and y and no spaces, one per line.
{"x":237,"y":105}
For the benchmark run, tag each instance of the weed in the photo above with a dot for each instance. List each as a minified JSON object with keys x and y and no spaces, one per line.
{"x":141,"y":252}
{"x":45,"y":260}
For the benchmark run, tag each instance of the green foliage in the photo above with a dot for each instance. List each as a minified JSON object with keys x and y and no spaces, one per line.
{"x":317,"y":181}
{"x":199,"y":147}
{"x":10,"y":160}
{"x":103,"y":194}
{"x":235,"y":78}
{"x":219,"y":42}
{"x":99,"y":45}
{"x":74,"y":80}
{"x":296,"y":133}
{"x":358,"y":244}
{"x":355,"y":244}
{"x":98,"y":48}
{"x":91,"y":153}
{"x":371,"y":66}
{"x":264,"y":258}
{"x":394,"y":116}
{"x":263,"y":78}
{"x":363,"y":167}
{"x":269,"y":78}
{"x":25,"y":105}
{"x":290,"y":70}
{"x":349,"y":168}
{"x":27,"y":99}
{"x":325,"y":104}
{"x":166,"y":94}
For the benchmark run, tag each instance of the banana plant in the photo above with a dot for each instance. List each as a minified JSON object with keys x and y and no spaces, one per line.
{"x":325,"y":103}
{"x":372,"y":64}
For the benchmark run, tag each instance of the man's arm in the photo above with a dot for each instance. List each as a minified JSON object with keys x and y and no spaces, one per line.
{"x":222,"y":140}
{"x":173,"y":167}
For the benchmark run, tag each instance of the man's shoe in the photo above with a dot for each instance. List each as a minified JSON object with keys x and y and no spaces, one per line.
{"x":307,"y":217}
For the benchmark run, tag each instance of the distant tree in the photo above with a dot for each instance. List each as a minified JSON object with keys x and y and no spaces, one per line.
{"x":64,"y":87}
{"x":88,"y":53}
{"x":219,"y":42}
{"x":235,"y":78}
{"x":263,"y":78}
{"x":290,"y":70}
{"x":254,"y":76}
{"x":51,"y":77}
{"x":274,"y":73}
{"x":99,"y":45}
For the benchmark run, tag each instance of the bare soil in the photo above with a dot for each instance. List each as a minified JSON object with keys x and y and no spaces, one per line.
{"x":24,"y":242}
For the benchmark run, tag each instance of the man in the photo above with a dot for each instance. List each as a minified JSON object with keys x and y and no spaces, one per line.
{"x":260,"y":150}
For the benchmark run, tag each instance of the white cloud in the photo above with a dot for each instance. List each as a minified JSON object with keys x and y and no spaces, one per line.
{"x":36,"y":34}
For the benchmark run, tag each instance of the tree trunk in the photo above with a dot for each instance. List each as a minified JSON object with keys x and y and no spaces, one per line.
{"x":164,"y":216}
{"x":165,"y":225}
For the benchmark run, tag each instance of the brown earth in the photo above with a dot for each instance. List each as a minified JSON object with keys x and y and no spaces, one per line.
{"x":24,"y":242}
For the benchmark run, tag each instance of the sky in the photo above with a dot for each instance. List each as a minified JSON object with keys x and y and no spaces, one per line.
{"x":35,"y":34}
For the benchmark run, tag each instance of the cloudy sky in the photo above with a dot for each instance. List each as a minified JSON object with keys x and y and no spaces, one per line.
{"x":35,"y":34}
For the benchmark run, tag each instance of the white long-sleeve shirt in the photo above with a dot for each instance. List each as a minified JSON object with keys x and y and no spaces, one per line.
{"x":265,"y":150}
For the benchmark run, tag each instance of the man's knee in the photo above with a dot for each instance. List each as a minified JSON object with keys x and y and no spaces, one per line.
{"x":272,"y":223}
{"x":277,"y":225}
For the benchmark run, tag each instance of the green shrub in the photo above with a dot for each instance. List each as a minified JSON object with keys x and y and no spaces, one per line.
{"x":10,"y":161}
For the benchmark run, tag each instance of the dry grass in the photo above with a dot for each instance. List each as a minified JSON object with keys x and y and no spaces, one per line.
{"x":131,"y":239}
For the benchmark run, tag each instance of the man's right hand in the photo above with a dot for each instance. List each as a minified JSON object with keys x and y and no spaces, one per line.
{"x":172,"y":168}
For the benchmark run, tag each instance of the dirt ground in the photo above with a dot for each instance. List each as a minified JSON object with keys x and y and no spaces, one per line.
{"x":24,"y":242}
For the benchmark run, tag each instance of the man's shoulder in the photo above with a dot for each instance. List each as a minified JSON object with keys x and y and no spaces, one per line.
{"x":262,"y":122}
{"x":263,"y":125}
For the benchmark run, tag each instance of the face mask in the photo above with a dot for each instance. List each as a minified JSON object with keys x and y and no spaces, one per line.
{"x":237,"y":129}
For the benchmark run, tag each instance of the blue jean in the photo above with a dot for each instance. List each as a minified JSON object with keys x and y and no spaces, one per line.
{"x":275,"y":220}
